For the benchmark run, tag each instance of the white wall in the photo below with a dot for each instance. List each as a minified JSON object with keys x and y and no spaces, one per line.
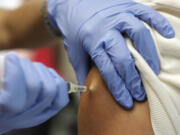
{"x":10,"y":4}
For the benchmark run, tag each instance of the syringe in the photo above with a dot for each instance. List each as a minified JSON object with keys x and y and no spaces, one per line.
{"x":74,"y":88}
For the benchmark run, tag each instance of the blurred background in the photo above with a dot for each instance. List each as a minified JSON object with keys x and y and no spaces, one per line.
{"x":53,"y":56}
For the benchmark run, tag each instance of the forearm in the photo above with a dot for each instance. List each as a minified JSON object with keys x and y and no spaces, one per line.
{"x":25,"y":27}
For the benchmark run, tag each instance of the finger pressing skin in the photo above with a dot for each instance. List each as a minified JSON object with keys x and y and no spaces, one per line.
{"x":121,"y":58}
{"x":114,"y":82}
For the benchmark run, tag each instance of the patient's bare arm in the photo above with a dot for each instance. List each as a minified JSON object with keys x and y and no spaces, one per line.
{"x":99,"y":114}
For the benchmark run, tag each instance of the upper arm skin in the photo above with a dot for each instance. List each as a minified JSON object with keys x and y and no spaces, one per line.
{"x":100,"y":114}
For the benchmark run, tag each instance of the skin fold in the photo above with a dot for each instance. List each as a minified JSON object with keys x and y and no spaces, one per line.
{"x":100,"y":114}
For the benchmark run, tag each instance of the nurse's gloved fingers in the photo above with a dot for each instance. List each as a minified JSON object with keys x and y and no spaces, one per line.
{"x":47,"y":83}
{"x":121,"y":58}
{"x":12,"y":95}
{"x":142,"y":40}
{"x":33,"y":85}
{"x":114,"y":82}
{"x":62,"y":97}
{"x":47,"y":90}
{"x":155,"y":19}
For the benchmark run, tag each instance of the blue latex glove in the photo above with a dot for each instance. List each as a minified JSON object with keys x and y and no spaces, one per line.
{"x":31,"y":94}
{"x":94,"y":28}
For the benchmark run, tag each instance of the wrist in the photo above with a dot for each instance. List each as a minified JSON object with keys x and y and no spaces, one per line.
{"x":49,"y":21}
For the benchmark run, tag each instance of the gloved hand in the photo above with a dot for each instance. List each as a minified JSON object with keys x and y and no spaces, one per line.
{"x":31,"y":94}
{"x":94,"y":28}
